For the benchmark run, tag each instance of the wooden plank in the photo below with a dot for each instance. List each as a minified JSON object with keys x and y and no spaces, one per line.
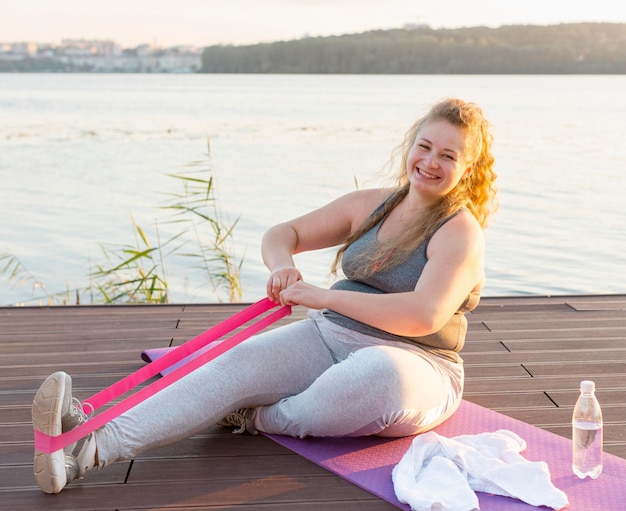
{"x":567,"y":344}
{"x":567,"y":383}
{"x":501,"y":371}
{"x":547,"y":357}
{"x":355,"y":505}
{"x":504,"y":400}
{"x":290,"y":492}
{"x":608,"y":397}
{"x":19,"y":476}
{"x":548,"y":335}
{"x":574,"y":327}
{"x":584,"y":369}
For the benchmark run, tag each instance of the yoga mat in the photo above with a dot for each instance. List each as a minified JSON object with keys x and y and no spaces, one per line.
{"x":368,"y":461}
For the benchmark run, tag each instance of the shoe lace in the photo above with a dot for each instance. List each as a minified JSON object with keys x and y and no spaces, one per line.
{"x":235,"y":419}
{"x":75,"y":416}
{"x":80,"y":409}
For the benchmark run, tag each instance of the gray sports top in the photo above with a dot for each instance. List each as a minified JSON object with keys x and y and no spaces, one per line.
{"x":403,"y":277}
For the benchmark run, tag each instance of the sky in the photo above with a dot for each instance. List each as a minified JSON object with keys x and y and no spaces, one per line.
{"x":208,"y":22}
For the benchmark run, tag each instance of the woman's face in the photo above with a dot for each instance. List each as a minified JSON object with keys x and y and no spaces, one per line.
{"x":436,"y":161}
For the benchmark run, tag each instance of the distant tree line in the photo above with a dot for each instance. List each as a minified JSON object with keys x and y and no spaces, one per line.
{"x":581,"y":48}
{"x":31,"y":65}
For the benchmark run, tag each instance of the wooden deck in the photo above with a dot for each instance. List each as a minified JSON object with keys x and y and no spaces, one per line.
{"x":524,"y":356}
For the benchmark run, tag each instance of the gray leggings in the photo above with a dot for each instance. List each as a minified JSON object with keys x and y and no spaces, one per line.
{"x":308,"y":378}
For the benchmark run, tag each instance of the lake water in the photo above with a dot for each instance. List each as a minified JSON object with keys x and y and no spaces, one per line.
{"x":80,"y":154}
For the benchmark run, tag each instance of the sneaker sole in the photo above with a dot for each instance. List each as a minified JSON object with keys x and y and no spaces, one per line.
{"x":49,"y":468}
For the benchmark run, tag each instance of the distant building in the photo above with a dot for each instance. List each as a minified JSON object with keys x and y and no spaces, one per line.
{"x":23,"y":48}
{"x":86,"y":55}
{"x":90,"y":47}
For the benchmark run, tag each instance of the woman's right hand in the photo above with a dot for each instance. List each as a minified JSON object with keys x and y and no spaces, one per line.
{"x":281,"y":278}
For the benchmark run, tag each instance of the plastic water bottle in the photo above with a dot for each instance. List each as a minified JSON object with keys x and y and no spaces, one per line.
{"x":587,"y":433}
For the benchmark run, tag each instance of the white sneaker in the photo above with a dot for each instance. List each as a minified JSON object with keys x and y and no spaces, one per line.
{"x":80,"y":457}
{"x":54,"y":413}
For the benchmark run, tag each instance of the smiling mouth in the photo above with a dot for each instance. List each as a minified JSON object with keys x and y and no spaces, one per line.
{"x":425,"y":174}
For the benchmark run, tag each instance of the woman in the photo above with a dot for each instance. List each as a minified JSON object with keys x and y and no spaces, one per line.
{"x":378,"y":352}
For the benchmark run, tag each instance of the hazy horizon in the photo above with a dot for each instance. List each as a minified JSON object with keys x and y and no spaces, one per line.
{"x":208,"y":22}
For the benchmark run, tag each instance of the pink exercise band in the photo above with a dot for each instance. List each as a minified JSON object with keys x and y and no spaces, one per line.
{"x":48,"y":444}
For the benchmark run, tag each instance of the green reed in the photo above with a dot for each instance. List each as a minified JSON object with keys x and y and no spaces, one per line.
{"x":15,"y":274}
{"x":134,"y":273}
{"x":137,"y":272}
{"x":197,"y":211}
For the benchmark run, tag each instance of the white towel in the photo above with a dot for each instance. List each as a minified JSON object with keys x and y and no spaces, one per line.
{"x":441,"y":474}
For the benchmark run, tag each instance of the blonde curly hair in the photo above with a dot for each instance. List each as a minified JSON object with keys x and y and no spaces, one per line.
{"x":476,"y":192}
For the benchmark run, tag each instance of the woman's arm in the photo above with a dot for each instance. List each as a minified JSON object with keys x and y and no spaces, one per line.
{"x":325,"y":227}
{"x":453,"y":271}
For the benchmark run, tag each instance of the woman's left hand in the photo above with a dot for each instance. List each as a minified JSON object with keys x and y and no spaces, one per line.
{"x":304,"y":294}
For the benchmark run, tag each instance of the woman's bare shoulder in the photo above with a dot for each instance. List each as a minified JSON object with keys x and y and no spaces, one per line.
{"x":363,"y":202}
{"x":461,"y":230}
{"x":371,"y":197}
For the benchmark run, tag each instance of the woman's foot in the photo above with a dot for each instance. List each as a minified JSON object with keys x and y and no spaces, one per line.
{"x":55,"y":412}
{"x":242,"y":420}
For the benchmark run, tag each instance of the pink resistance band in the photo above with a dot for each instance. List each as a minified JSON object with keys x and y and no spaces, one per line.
{"x":48,"y":444}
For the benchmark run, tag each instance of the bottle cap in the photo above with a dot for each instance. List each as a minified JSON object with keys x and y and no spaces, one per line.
{"x":587,"y":386}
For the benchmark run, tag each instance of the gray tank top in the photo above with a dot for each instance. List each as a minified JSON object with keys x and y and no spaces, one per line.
{"x":403,"y":277}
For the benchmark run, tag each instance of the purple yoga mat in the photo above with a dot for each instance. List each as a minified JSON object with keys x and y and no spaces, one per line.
{"x":156,"y":353}
{"x":368,"y":461}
